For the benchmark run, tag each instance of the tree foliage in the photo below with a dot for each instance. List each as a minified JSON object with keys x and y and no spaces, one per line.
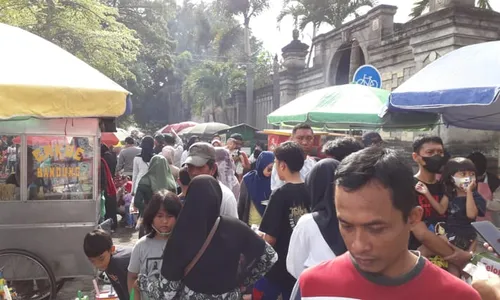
{"x":420,"y":6}
{"x":151,"y":47}
{"x":315,"y":12}
{"x":211,"y":84}
{"x":88,"y":29}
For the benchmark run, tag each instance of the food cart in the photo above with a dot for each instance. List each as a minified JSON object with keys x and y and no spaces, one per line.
{"x":55,"y":108}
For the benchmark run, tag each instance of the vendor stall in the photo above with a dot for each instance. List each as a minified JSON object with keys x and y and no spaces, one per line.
{"x":53,"y":112}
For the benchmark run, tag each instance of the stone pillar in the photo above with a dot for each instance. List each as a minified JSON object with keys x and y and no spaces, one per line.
{"x":294,"y":54}
{"x":239,"y":100}
{"x":355,"y":60}
{"x":439,"y":4}
{"x":276,"y":83}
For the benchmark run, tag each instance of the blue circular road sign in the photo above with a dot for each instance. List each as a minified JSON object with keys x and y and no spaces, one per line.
{"x":368,"y":75}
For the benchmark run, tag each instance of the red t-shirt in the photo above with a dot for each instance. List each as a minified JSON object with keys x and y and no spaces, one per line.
{"x":339,"y":279}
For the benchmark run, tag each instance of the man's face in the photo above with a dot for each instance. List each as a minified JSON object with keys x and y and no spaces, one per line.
{"x":101,"y":262}
{"x":428,"y":150}
{"x":305,"y":138}
{"x":373,"y":230}
{"x":234,"y":144}
{"x":203,"y":170}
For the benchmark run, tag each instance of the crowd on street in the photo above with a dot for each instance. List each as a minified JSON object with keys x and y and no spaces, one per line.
{"x":217,"y":223}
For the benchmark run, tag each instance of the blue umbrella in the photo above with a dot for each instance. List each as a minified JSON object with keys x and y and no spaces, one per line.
{"x":463,"y":86}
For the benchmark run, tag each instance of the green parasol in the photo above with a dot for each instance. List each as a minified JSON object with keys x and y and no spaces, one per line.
{"x":346,"y":106}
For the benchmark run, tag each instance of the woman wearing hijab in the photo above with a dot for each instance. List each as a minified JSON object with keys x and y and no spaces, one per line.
{"x":157,"y":178}
{"x":234,"y":257}
{"x":169,"y":152}
{"x":316,"y":238}
{"x":255,"y":188}
{"x":141,"y":162}
{"x":226,"y":170}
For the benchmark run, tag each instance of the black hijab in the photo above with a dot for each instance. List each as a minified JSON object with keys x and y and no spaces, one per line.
{"x":217,"y":270}
{"x":320,"y":183}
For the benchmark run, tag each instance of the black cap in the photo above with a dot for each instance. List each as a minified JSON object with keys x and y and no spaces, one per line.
{"x":371,"y":138}
{"x":237,"y":137}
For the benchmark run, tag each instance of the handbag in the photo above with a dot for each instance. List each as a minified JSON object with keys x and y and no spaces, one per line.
{"x":203,"y":248}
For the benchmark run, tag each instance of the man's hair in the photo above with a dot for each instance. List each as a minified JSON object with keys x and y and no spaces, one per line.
{"x":129,"y":140}
{"x":160,"y":138}
{"x":211,"y":163}
{"x":384,"y":166}
{"x":184,"y":176}
{"x":291,"y":154}
{"x":161,"y":199}
{"x":96,"y":243}
{"x":480,"y":161}
{"x":301,"y":126}
{"x":342,"y":147}
{"x":425,"y":139}
{"x":169,"y":139}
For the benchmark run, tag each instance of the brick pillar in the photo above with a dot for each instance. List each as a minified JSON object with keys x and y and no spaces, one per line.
{"x":355,"y":60}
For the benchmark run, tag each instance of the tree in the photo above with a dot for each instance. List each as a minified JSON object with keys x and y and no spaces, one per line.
{"x":211,"y":85}
{"x":150,"y":20}
{"x":246,"y":9}
{"x":333,"y":12}
{"x":86,"y":28}
{"x":421,"y":5}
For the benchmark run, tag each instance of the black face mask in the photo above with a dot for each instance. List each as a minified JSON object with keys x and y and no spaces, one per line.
{"x":434,"y":163}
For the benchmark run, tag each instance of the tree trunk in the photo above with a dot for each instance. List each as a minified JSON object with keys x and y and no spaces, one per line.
{"x":315,"y":28}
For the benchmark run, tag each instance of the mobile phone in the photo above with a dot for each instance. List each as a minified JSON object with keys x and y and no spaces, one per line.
{"x":489,"y":233}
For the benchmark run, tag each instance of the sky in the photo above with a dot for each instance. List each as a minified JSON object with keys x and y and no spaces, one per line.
{"x":265,"y":27}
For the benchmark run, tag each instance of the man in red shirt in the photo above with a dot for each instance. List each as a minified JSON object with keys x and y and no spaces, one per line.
{"x":376,"y":208}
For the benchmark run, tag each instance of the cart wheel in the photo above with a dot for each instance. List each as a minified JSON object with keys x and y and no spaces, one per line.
{"x":27,"y":275}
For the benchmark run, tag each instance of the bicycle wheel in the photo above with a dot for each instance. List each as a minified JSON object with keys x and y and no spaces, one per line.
{"x":27,"y":275}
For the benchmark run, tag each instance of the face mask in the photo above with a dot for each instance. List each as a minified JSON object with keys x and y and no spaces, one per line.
{"x":162,"y":234}
{"x":462,"y":182}
{"x":434,"y":163}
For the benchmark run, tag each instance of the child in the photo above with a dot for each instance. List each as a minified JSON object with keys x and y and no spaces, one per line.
{"x":99,"y":248}
{"x":128,"y":199}
{"x":159,"y":220}
{"x":286,"y":205}
{"x":465,"y":204}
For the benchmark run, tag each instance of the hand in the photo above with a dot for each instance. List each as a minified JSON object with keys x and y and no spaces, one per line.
{"x":421,"y":188}
{"x":459,"y":258}
{"x":490,"y":249}
{"x":472,"y":185}
{"x":488,"y":289}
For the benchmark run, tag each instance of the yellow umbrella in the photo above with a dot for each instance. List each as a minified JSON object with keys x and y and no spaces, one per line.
{"x":39,"y":79}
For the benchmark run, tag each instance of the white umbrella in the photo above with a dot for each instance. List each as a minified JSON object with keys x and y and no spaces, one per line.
{"x":40,"y":79}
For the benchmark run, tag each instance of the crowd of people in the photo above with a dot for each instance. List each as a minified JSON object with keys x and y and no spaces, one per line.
{"x":215,"y":223}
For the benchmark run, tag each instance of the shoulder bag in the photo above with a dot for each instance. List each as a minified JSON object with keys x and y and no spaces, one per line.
{"x":203,"y":248}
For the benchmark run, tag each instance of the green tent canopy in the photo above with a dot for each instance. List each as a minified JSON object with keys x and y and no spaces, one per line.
{"x":346,"y":107}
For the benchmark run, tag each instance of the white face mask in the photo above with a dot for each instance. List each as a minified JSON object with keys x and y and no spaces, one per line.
{"x":162,"y":234}
{"x":462,"y":182}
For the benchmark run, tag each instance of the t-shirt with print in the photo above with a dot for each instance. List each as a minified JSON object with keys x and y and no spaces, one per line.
{"x":286,"y":205}
{"x":340,"y":278}
{"x":117,"y":271}
{"x":430,"y":216}
{"x":458,"y":225}
{"x":147,"y":258}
